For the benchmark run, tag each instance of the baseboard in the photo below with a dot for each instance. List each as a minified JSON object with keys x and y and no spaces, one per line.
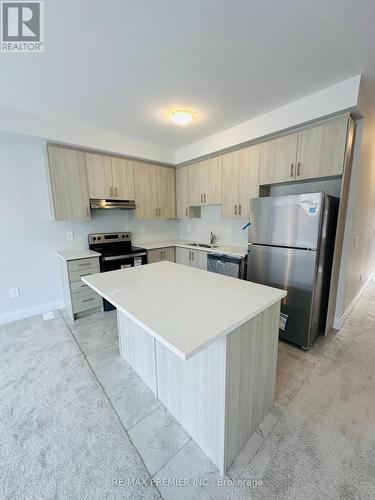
{"x":339,"y":322}
{"x":29,"y":311}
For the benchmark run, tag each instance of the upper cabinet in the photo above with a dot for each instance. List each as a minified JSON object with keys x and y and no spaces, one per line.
{"x":278,"y":159}
{"x":154,"y":191}
{"x":310,"y":153}
{"x":321,"y":150}
{"x":182,"y":192}
{"x":205,"y":181}
{"x":123,"y":178}
{"x":109,"y":177}
{"x":240,"y":181}
{"x":68,"y":183}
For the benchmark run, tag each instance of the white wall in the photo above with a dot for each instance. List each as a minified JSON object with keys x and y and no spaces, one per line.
{"x":29,"y":238}
{"x":228,"y":231}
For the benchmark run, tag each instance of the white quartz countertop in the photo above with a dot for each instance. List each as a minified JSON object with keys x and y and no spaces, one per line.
{"x":77,"y":254}
{"x":184,"y":308}
{"x":226,"y":249}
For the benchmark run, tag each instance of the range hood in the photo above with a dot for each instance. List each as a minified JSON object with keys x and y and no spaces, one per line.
{"x":112,"y":204}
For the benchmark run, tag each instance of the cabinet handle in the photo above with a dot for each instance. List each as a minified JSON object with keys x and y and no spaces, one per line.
{"x":205,"y":197}
{"x":88,"y":300}
{"x":186,"y":211}
{"x":291,"y":170}
{"x":189,"y":255}
{"x":201,"y":198}
{"x":84,"y":265}
{"x":115,"y":191}
{"x":156,"y":212}
{"x":298,"y":168}
{"x":239,"y":209}
{"x":88,"y":211}
{"x":192,"y":255}
{"x":235,"y":209}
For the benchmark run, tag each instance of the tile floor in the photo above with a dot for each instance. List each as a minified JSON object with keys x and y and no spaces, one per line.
{"x":314,"y":390}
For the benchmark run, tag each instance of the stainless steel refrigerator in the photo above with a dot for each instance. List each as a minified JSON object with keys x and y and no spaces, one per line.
{"x":291,"y":244}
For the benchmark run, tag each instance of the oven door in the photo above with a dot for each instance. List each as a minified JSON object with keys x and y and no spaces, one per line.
{"x":115,"y":262}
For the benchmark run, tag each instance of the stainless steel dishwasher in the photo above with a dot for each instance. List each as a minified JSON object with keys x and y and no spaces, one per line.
{"x":229,"y":265}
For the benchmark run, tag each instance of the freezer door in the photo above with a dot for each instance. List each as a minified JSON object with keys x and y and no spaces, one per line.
{"x":290,"y":221}
{"x":293,"y":270}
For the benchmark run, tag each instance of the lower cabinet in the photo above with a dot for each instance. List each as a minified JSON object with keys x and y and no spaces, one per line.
{"x":79,"y":298}
{"x":160,"y":254}
{"x":192,"y":258}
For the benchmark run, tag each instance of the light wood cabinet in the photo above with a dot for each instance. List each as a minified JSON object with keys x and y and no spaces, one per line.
{"x":278,"y":159}
{"x":166,"y":192}
{"x":79,"y":298}
{"x":192,"y":258}
{"x":312,"y":152}
{"x":110,"y":177}
{"x":154,"y":191}
{"x":160,"y":254}
{"x":69,"y":194}
{"x":182,"y":192}
{"x":240,"y":181}
{"x":123,"y":178}
{"x":205,"y":182}
{"x":321,"y":150}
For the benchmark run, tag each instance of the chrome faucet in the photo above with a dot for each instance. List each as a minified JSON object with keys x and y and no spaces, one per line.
{"x":212,"y":238}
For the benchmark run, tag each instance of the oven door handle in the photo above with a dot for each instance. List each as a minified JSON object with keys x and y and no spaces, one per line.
{"x":119,"y":257}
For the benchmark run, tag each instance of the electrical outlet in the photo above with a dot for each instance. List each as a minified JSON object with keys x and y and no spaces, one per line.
{"x":188,"y":229}
{"x":142,"y":231}
{"x":356,"y":241}
{"x":69,"y":235}
{"x":14,"y":292}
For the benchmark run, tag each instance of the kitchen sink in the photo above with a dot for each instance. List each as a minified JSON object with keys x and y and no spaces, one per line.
{"x":203,"y":245}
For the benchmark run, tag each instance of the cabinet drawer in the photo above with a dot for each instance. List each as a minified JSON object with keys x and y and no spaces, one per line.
{"x":86,"y":300}
{"x":77,"y":265}
{"x":78,"y":287}
{"x":77,"y":275}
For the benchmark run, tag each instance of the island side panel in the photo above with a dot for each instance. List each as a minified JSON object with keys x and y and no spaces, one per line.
{"x":137,"y":347}
{"x":251,"y":378}
{"x":194,"y":392}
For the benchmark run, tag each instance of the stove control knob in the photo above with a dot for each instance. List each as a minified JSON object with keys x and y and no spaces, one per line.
{"x":99,"y":237}
{"x":123,"y":235}
{"x":94,"y":238}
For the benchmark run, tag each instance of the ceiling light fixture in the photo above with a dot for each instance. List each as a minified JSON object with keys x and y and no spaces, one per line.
{"x":181,"y":117}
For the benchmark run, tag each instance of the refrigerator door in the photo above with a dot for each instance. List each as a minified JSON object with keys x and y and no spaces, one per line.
{"x":287,"y":221}
{"x":293,"y":270}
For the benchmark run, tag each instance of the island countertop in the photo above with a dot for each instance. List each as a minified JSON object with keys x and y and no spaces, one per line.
{"x":184,"y":308}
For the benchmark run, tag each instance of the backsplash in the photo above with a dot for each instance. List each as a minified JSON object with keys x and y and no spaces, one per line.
{"x":228,"y":231}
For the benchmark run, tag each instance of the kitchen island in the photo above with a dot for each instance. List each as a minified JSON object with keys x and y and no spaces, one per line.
{"x":206,"y":344}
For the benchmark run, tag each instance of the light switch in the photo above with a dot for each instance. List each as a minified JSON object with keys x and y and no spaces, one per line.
{"x":356,"y":241}
{"x":14,"y":292}
{"x":69,"y":235}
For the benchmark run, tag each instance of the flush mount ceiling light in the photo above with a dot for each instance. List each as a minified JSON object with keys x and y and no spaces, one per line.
{"x":181,"y":117}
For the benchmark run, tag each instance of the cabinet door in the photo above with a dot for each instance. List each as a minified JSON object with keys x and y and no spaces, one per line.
{"x":230,"y":195}
{"x":166,"y":193}
{"x":145,"y":190}
{"x":99,"y":174}
{"x":123,"y":179}
{"x":278,"y":159}
{"x":321,"y":150}
{"x":200,"y":260}
{"x":248,"y":179}
{"x":184,"y":256}
{"x":154,"y":255}
{"x":211,"y":180}
{"x":195,"y":185}
{"x":68,"y":182}
{"x":169,"y":254}
{"x":182,"y":192}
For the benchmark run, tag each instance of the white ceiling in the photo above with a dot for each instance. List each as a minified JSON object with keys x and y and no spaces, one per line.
{"x":120,"y":65}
